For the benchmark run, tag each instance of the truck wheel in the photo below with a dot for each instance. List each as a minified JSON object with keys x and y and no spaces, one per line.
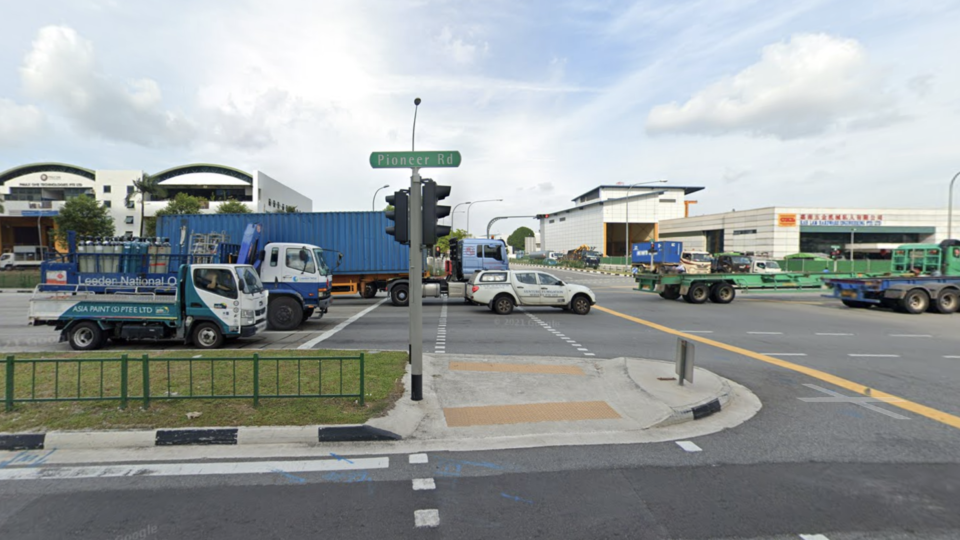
{"x":369,"y":290}
{"x":580,"y":304}
{"x":948,"y":301}
{"x":915,"y":301}
{"x":722,"y":293}
{"x":670,"y":292}
{"x":207,"y":335}
{"x":284,"y":313}
{"x":86,"y":336}
{"x":307,"y":313}
{"x":400,"y":295}
{"x":697,"y":293}
{"x":503,"y":305}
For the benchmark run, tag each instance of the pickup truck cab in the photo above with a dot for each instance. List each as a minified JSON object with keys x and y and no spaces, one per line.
{"x":501,"y":290}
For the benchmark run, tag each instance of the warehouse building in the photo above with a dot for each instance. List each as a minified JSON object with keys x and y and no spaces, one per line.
{"x":778,"y":231}
{"x":32,"y":195}
{"x":603,"y":217}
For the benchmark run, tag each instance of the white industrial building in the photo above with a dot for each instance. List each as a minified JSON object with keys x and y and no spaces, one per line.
{"x":778,"y":231}
{"x":33,"y":194}
{"x":602,"y":217}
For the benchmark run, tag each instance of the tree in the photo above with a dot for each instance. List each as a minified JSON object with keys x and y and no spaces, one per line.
{"x":84,"y":215}
{"x":289,"y":209}
{"x":444,"y":241}
{"x":232,"y":206}
{"x":515,"y":240}
{"x":180,"y":204}
{"x":148,"y":185}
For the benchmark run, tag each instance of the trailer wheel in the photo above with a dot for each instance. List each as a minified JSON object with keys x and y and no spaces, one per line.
{"x":86,"y":336}
{"x":722,"y":293}
{"x":207,"y":335}
{"x":670,"y":292}
{"x":856,"y":304}
{"x":580,"y":304}
{"x":369,"y":290}
{"x":503,"y":305}
{"x":697,"y":293}
{"x":400,"y":295}
{"x":284,"y":313}
{"x":915,"y":302}
{"x":948,"y":301}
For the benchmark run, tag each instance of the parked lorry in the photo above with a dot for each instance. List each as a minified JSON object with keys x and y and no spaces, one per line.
{"x":924,"y":277}
{"x":467,"y":256}
{"x":207,"y":304}
{"x":22,"y":257}
{"x":296,"y":274}
{"x":501,"y":290}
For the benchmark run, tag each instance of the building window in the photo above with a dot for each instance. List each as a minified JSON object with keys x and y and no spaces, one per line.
{"x":744,"y":231}
{"x":106,"y":189}
{"x":131,"y":204}
{"x":128,"y":220}
{"x":563,"y":219}
{"x":128,"y":234}
{"x":106,"y":204}
{"x":668,"y":200}
{"x":551,"y":221}
{"x":129,"y":190}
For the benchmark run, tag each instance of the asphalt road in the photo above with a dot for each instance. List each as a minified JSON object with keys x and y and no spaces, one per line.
{"x":843,"y":468}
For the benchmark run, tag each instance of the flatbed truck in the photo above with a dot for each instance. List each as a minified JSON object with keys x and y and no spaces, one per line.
{"x":722,"y":288}
{"x":209,"y":304}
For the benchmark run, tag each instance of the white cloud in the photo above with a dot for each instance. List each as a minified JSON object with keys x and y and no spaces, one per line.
{"x":460,"y":50}
{"x":799,"y":88}
{"x":62,"y":69}
{"x":19,"y":123}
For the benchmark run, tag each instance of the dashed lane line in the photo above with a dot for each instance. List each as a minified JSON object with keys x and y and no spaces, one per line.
{"x":424,"y":484}
{"x":864,"y":355}
{"x":426,"y":518}
{"x":911,"y":406}
{"x":688,"y":446}
{"x":766,"y":333}
{"x":418,"y":458}
{"x":911,"y":335}
{"x":813,"y":537}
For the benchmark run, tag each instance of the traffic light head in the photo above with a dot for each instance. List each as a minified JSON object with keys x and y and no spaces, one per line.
{"x":432,"y":212}
{"x":400,"y":230}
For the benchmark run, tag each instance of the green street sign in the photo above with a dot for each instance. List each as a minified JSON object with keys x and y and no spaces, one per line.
{"x":407,"y":160}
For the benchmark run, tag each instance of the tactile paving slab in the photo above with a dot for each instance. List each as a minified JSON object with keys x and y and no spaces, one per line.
{"x":529,"y":413}
{"x":552,"y":369}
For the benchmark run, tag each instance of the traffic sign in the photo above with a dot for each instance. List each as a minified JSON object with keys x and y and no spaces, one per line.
{"x":407,"y":160}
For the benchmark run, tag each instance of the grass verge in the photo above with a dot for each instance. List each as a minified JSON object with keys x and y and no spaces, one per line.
{"x":221,"y":373}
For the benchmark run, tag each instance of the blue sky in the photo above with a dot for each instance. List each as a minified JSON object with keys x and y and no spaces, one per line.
{"x":762,"y":102}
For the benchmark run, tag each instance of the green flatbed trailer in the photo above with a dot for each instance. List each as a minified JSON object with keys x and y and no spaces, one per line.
{"x":722,"y":288}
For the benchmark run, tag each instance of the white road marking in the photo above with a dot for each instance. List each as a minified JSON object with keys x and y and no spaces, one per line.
{"x":910,"y":335}
{"x":766,"y":333}
{"x":418,"y":458}
{"x":864,"y":402}
{"x":426,"y":518}
{"x":831,"y":334}
{"x":689,"y":446}
{"x":582,"y":349}
{"x":697,"y":331}
{"x":423,"y":484}
{"x":341,"y":326}
{"x":813,"y":537}
{"x":576,"y":345}
{"x":784,"y":354}
{"x":874,"y":355}
{"x":192,"y":469}
{"x":589,"y":354}
{"x":948,"y":356}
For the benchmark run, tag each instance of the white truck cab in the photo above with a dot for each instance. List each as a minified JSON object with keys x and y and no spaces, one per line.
{"x":764,"y":266}
{"x":501,"y":290}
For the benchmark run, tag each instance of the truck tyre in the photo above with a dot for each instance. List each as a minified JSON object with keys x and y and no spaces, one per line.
{"x":503,"y":305}
{"x":580,"y":304}
{"x":670,"y":292}
{"x":722,"y":293}
{"x":307,"y":313}
{"x":207,"y":335}
{"x":856,"y":304}
{"x":284,"y":313}
{"x":400,"y":295}
{"x":86,"y":336}
{"x":369,"y":290}
{"x":915,"y":302}
{"x":948,"y":301}
{"x":697,"y":293}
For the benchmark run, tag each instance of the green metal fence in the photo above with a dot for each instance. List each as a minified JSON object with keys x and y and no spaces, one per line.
{"x":145,"y":379}
{"x":869,"y":266}
{"x":17,"y":279}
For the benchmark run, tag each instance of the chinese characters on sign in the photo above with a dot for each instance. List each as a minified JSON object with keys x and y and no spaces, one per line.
{"x":842,"y":220}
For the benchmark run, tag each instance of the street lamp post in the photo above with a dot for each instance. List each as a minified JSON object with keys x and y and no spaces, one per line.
{"x":454,"y":212}
{"x":852,"y":233}
{"x":626,"y":253}
{"x":473,"y":203}
{"x":950,"y":208}
{"x":373,"y":205}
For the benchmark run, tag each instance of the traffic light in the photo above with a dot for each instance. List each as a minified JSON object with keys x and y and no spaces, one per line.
{"x":432,"y":212}
{"x":400,"y":216}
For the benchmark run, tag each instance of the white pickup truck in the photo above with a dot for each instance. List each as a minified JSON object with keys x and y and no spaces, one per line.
{"x":501,"y":290}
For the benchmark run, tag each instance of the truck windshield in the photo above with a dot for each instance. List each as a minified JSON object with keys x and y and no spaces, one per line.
{"x":697,"y":257}
{"x":322,"y":263}
{"x":740,"y":260}
{"x":772,"y":264}
{"x":251,"y":281}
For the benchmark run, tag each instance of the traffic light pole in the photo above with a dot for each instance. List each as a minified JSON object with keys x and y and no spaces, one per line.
{"x":416,"y":288}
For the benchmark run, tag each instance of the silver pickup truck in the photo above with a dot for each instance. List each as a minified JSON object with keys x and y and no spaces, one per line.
{"x":501,"y":290}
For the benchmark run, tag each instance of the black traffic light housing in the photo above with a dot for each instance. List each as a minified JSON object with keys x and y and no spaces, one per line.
{"x":432,"y":212}
{"x":400,"y":216}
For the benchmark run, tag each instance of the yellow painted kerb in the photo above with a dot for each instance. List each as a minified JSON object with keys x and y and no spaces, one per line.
{"x":916,"y":408}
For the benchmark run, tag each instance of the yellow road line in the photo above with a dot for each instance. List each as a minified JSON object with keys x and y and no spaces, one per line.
{"x":922,"y":410}
{"x":552,"y":369}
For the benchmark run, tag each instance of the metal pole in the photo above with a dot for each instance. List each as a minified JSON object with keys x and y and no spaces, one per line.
{"x":416,"y":288}
{"x":851,"y":249}
{"x":373,"y":205}
{"x":950,"y":208}
{"x":454,"y":213}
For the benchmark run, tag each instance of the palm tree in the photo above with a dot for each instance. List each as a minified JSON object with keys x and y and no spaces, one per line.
{"x":148,"y":185}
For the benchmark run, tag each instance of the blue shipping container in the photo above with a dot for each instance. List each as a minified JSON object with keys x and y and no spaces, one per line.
{"x":663,"y":252}
{"x":360,"y":236}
